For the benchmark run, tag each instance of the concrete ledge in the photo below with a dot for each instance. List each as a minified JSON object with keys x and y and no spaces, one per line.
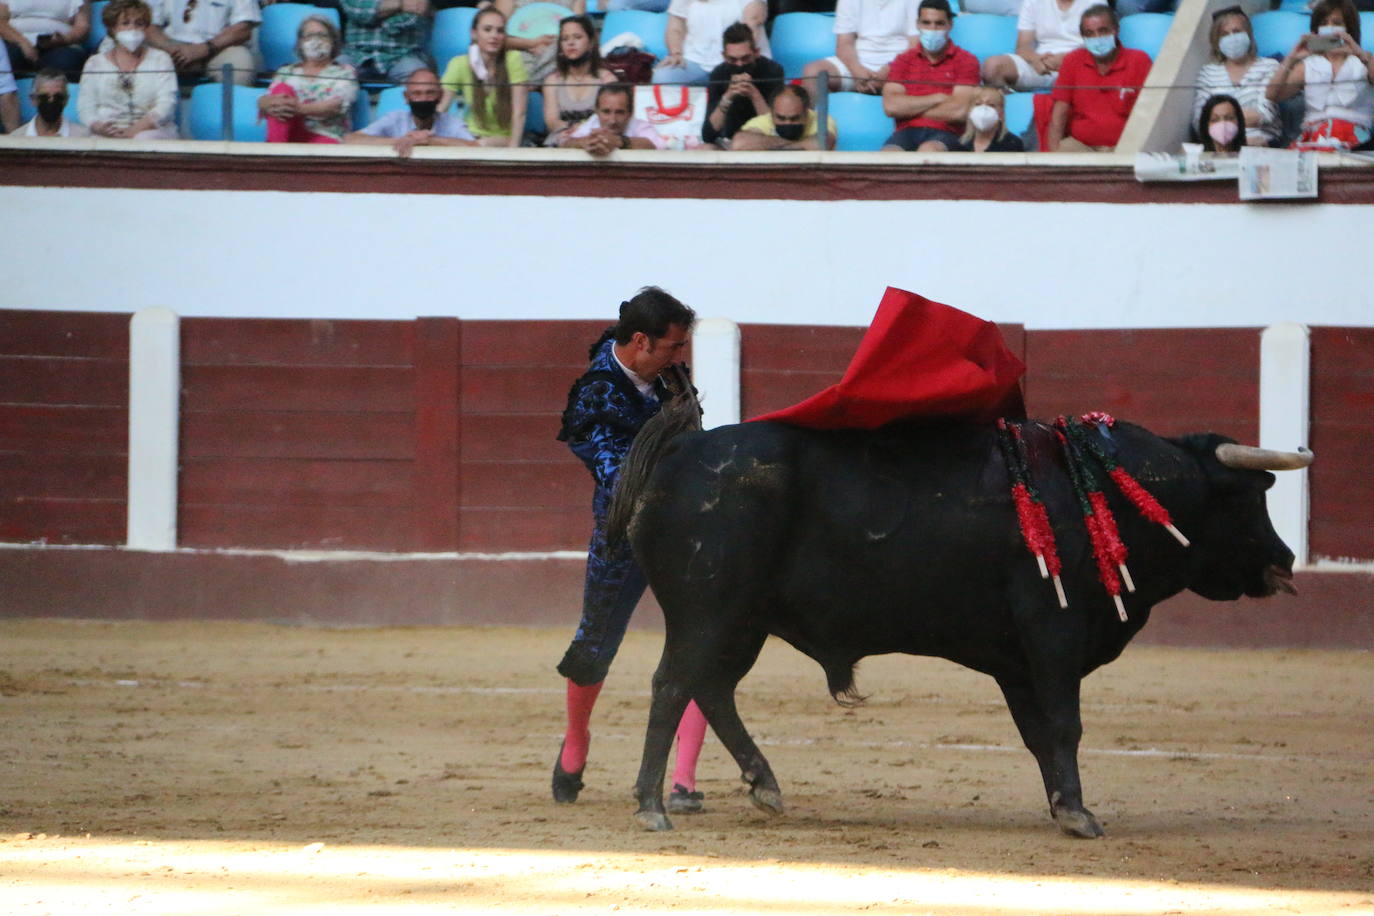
{"x":1332,"y":609}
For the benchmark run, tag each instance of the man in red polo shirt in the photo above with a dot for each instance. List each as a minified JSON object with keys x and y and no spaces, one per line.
{"x":930,"y":87}
{"x":1097,"y":87}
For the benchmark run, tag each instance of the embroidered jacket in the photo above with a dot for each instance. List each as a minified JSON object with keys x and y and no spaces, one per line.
{"x":605,"y":412}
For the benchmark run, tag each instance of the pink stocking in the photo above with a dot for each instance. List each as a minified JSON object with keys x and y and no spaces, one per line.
{"x":691,"y":732}
{"x":578,"y":737}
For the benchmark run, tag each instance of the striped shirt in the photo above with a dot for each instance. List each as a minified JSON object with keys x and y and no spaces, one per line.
{"x":1213,"y":79}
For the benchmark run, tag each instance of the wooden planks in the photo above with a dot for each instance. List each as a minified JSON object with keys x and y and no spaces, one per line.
{"x":1342,"y":393}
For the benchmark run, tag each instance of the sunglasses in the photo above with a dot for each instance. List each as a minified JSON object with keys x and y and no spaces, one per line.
{"x":190,"y":8}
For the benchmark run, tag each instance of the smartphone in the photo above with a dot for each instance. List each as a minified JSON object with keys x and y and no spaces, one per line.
{"x":1320,"y":43}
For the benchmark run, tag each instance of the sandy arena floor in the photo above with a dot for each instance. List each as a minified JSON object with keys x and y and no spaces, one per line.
{"x":213,"y":768}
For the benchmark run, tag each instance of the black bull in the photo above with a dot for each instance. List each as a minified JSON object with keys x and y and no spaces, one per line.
{"x":848,"y":544}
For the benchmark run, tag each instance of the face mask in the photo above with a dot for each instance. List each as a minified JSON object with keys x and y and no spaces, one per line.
{"x":1234,"y":45}
{"x":315,"y":48}
{"x":1100,"y":45}
{"x":423,"y":111}
{"x":579,"y":60}
{"x":983,"y":117}
{"x":1331,"y":30}
{"x":51,"y":112}
{"x":1223,"y":132}
{"x":933,"y":39}
{"x":790,"y":132}
{"x":130,"y":39}
{"x":736,"y":69}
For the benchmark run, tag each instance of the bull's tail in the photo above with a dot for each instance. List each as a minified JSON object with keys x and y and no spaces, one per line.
{"x":680,"y":414}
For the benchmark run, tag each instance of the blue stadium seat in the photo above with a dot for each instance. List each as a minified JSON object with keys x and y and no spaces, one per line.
{"x":1294,"y":6}
{"x":1277,"y":32}
{"x":277,"y":34}
{"x":26,"y":109}
{"x":97,"y":33}
{"x":799,"y":38}
{"x":361,"y":115}
{"x":1367,"y":31}
{"x":860,"y":120}
{"x":1020,"y":110}
{"x":534,"y":114}
{"x":389,"y":100}
{"x":984,"y":35}
{"x":1146,"y":31}
{"x":205,"y":118}
{"x":648,"y":26}
{"x":451,"y":35}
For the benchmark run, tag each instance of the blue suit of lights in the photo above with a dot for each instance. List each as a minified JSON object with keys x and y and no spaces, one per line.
{"x":605,"y":413}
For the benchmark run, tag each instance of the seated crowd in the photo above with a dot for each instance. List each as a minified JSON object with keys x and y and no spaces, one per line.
{"x":937,"y":94}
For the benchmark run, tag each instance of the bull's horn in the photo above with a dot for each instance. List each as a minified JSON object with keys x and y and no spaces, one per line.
{"x":1262,"y":459}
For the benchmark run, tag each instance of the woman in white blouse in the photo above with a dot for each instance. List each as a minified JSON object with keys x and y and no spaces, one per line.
{"x":129,"y":91}
{"x":1237,"y":71}
{"x":1333,"y":73}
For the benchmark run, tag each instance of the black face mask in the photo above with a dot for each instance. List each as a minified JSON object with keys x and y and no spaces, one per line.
{"x":790,"y":132}
{"x":51,"y":111}
{"x":579,"y":60}
{"x":736,"y":69}
{"x":423,"y":111}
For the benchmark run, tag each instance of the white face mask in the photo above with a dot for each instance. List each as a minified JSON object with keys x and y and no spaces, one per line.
{"x":1234,"y":46}
{"x":315,"y":48}
{"x":983,"y":117}
{"x":130,"y":39}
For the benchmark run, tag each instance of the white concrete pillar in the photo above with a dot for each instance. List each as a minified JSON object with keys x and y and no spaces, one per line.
{"x":154,"y":413}
{"x":715,"y":370}
{"x":1285,"y":407}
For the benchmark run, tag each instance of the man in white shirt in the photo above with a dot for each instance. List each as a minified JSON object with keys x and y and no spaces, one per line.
{"x":9,"y":94}
{"x":50,"y":96}
{"x":614,"y":126}
{"x":1046,"y":30}
{"x":868,"y":35}
{"x":204,"y":35}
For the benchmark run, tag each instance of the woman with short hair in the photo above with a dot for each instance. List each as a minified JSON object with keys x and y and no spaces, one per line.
{"x":311,"y":101}
{"x":1333,"y":73}
{"x":129,"y":91}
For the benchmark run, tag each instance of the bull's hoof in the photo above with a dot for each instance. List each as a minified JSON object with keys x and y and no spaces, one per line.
{"x":1079,"y":823}
{"x":654,"y":821}
{"x":767,"y":800}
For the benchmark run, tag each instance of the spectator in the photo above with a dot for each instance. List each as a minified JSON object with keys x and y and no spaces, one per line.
{"x":1337,"y":99}
{"x":311,"y":101}
{"x":387,"y":39}
{"x":130,"y":90}
{"x":45,"y":33}
{"x":693,"y":36}
{"x":539,"y":54}
{"x":1236,"y":71}
{"x":1046,"y":30}
{"x":741,"y":88}
{"x":203,"y":35}
{"x":491,"y":81}
{"x":929,"y":87}
{"x":869,"y":34}
{"x":987,"y":126}
{"x":570,"y":92}
{"x":1220,"y":125}
{"x":420,"y":124}
{"x":1099,"y":86}
{"x":614,"y":126}
{"x":791,"y":123}
{"x":9,"y":94}
{"x":49,"y":98}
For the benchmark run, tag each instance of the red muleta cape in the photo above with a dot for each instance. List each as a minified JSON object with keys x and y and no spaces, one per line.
{"x":918,"y":360}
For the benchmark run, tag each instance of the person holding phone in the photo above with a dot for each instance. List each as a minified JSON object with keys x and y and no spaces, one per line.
{"x":43,"y":34}
{"x":1332,"y":71}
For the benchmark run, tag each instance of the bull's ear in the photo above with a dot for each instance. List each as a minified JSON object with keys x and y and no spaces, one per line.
{"x":1203,"y":447}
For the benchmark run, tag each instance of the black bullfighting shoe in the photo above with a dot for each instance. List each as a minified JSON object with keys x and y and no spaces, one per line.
{"x":565,"y":785}
{"x":680,"y":801}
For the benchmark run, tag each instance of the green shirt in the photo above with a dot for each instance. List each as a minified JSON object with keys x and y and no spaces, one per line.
{"x":458,"y":78}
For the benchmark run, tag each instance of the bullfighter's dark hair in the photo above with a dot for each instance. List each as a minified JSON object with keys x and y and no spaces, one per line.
{"x":1349,"y":14}
{"x":650,"y":311}
{"x":939,"y":5}
{"x":1210,"y":145}
{"x":737,"y":32}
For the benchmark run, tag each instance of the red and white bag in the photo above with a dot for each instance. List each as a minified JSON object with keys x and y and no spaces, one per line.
{"x":676,"y":112}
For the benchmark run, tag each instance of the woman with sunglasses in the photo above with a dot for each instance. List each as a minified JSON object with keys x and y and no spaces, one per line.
{"x":1237,"y":71}
{"x":129,"y":91}
{"x":1333,"y":73}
